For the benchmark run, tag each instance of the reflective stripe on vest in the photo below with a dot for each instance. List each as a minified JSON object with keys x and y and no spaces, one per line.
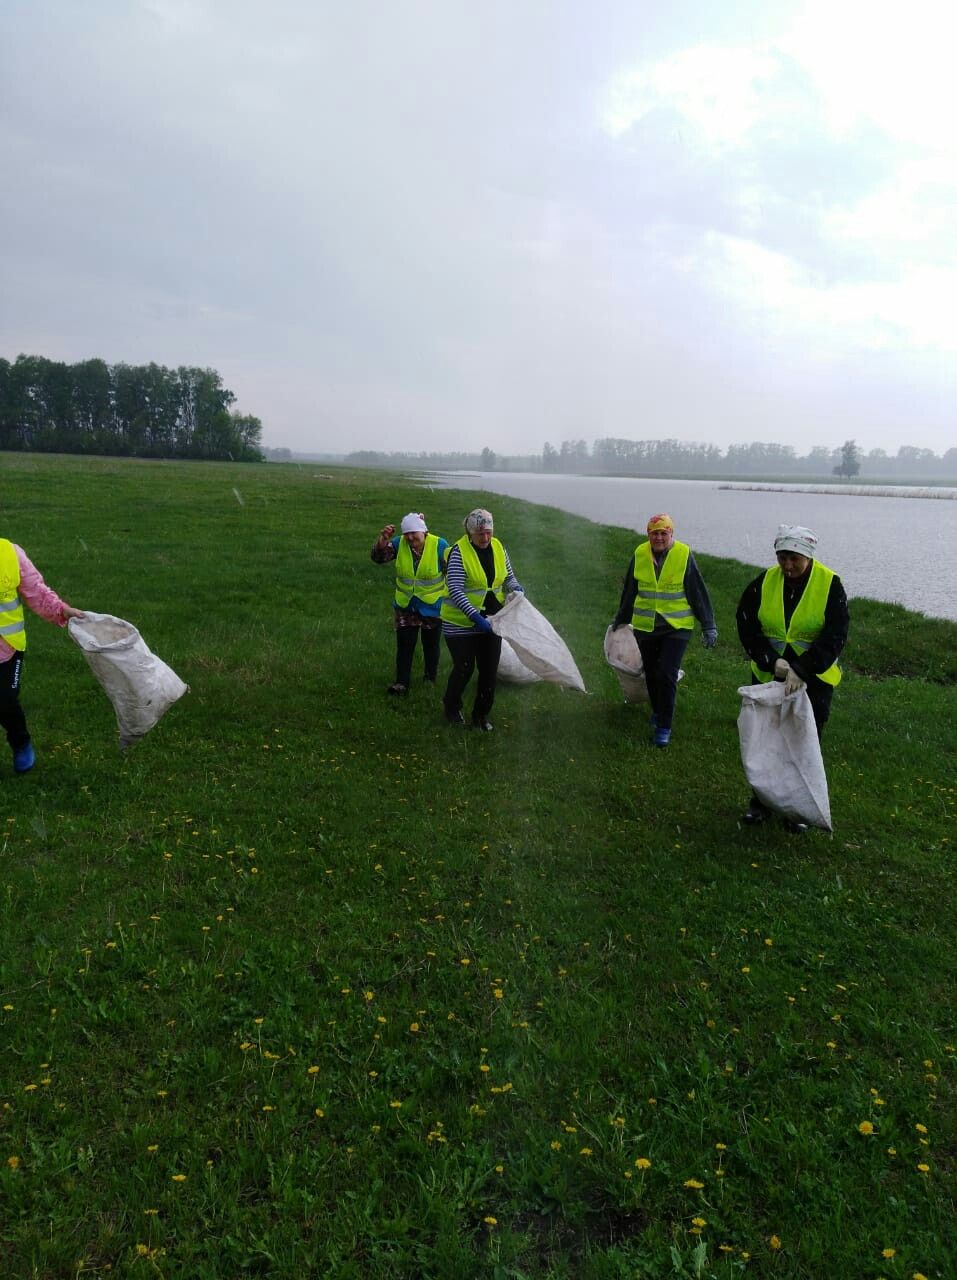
{"x":664,"y":592}
{"x":424,"y":580}
{"x":476,"y":584}
{"x":14,"y":628}
{"x":807,"y":620}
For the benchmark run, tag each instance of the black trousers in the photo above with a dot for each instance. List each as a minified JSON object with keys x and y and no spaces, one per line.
{"x":661,"y":654}
{"x":468,"y":652}
{"x":12,"y":720}
{"x":405,"y":638}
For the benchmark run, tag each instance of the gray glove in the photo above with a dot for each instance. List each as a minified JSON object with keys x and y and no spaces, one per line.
{"x":709,"y":638}
{"x":781,"y":669}
{"x":793,"y":683}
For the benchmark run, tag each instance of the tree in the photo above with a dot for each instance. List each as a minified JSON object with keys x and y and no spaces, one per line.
{"x":850,"y":463}
{"x":488,"y":459}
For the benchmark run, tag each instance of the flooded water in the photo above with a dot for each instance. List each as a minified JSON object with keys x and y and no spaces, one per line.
{"x":902,"y":550}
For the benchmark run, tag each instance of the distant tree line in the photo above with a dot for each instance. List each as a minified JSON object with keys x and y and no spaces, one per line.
{"x":145,"y":411}
{"x":613,"y":456}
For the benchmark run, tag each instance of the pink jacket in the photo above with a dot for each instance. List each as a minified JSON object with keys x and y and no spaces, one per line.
{"x":33,"y":591}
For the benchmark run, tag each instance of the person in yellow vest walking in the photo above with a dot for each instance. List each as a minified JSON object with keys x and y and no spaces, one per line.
{"x":21,"y":583}
{"x":420,"y":559}
{"x":479,"y":577}
{"x":662,"y":595}
{"x":793,"y":621}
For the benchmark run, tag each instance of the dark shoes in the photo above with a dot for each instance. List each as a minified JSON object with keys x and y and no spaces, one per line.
{"x":754,"y":815}
{"x":795,"y":828}
{"x":454,"y":717}
{"x":485,"y":725}
{"x":398,"y":690}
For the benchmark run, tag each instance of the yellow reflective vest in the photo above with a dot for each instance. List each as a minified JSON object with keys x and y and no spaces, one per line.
{"x":425,"y":580}
{"x":664,"y":592}
{"x":13,"y":627}
{"x":807,"y":620}
{"x":477,"y":585}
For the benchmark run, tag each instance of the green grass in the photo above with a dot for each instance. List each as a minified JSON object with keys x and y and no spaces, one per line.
{"x":270,"y":950}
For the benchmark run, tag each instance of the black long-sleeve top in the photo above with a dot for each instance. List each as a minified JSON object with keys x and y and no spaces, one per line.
{"x":696,"y":594}
{"x":824,"y":651}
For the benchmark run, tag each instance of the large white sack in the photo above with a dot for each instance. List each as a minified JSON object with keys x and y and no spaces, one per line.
{"x":621,"y":650}
{"x":781,"y":753}
{"x":536,"y":642}
{"x":140,"y":686}
{"x":512,"y":669}
{"x":624,"y":657}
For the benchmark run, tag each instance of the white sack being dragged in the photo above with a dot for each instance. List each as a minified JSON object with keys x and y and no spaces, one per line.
{"x":781,"y":753}
{"x":536,"y":642}
{"x":624,"y":657}
{"x":140,"y":686}
{"x":512,"y":669}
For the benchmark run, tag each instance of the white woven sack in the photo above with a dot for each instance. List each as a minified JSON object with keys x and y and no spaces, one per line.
{"x":512,"y":669}
{"x":536,"y":642}
{"x":140,"y":686}
{"x":624,"y":657}
{"x":621,"y":650}
{"x":781,"y":753}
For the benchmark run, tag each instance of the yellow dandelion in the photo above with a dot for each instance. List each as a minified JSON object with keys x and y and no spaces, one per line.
{"x":179,"y":1177}
{"x":490,"y":1221}
{"x":699,"y":1222}
{"x":694,"y":1184}
{"x":775,"y":1242}
{"x":555,"y":1146}
{"x":413,"y":1027}
{"x":642,"y":1163}
{"x":13,"y":1162}
{"x":311,"y":1071}
{"x":888,"y":1253}
{"x":320,"y":1113}
{"x":500,"y":1168}
{"x":921,"y":1128}
{"x":865,"y":1127}
{"x":924,"y":1168}
{"x":395,"y":1104}
{"x":484,"y":1067}
{"x":586,"y":1151}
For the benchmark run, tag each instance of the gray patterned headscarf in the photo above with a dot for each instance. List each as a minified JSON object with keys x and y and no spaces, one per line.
{"x":479,"y":519}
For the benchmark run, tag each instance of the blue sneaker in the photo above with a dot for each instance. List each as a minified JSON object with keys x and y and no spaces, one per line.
{"x":24,"y":758}
{"x":662,"y":737}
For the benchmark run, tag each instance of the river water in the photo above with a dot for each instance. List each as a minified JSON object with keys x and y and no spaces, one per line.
{"x":902,"y":550}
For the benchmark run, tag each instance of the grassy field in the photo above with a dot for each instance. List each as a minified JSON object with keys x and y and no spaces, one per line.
{"x":310,"y":984}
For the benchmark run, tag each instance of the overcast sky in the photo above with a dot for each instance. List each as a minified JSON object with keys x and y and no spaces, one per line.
{"x":460,"y":223}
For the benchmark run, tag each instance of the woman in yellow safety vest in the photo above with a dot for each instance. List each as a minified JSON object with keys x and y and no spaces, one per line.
{"x":420,"y":559}
{"x":792,"y":621}
{"x":20,"y":584}
{"x":478,"y":579}
{"x":662,"y":595}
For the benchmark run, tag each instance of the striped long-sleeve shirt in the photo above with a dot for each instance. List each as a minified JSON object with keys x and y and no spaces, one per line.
{"x":455,"y":584}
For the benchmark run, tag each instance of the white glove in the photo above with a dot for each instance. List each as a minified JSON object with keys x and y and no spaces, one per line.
{"x":781,"y":669}
{"x":792,"y":683}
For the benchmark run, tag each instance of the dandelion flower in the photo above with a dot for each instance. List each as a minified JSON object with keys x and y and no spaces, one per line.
{"x":13,"y":1162}
{"x":492,"y":1222}
{"x":179,"y":1177}
{"x":555,"y":1146}
{"x":694,"y":1184}
{"x":921,"y":1128}
{"x":775,"y":1242}
{"x":924,"y":1168}
{"x":320,"y":1113}
{"x":586,"y":1151}
{"x":865,"y":1127}
{"x":699,"y":1222}
{"x":311,"y":1071}
{"x":395,"y":1104}
{"x":642,"y":1163}
{"x":888,"y":1253}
